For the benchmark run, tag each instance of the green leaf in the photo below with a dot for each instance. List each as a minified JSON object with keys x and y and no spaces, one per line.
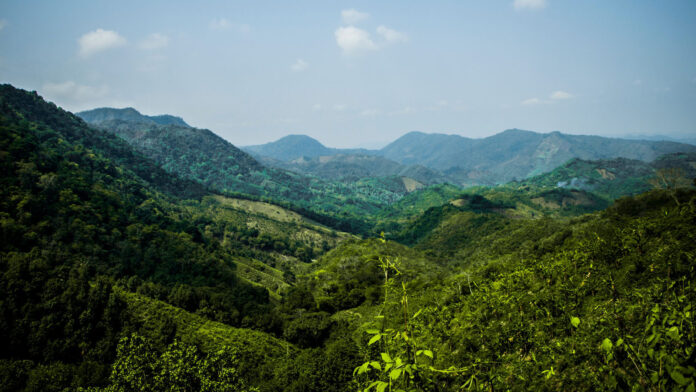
{"x":395,"y":374}
{"x":417,"y":313}
{"x":360,"y":369}
{"x":374,"y":339}
{"x":619,"y":342}
{"x":607,"y":345}
{"x":654,"y":377}
{"x":372,"y":385}
{"x":363,"y":368}
{"x":428,"y":353}
{"x":691,"y":387}
{"x":382,"y":386}
{"x":575,"y":321}
{"x":376,"y":365}
{"x":372,"y":331}
{"x":673,"y":333}
{"x":386,"y":358}
{"x":678,"y":378}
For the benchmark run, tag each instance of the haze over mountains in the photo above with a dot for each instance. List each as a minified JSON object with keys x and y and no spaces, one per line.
{"x":427,"y":158}
{"x":509,"y":155}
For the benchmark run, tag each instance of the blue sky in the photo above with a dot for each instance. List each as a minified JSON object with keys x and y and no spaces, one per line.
{"x":363,"y":73}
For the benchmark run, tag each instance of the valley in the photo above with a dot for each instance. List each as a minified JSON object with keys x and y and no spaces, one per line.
{"x":141,"y":253}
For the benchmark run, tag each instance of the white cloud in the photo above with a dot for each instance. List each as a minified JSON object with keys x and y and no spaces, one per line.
{"x":352,"y":16}
{"x":99,"y":40}
{"x":339,"y":107}
{"x":557,"y":95}
{"x":299,"y":65}
{"x":222,"y":24}
{"x":154,"y":41}
{"x":73,"y":92}
{"x":316,"y":107}
{"x":532,"y":101}
{"x":391,"y":36}
{"x":354,"y":40}
{"x":529,"y":4}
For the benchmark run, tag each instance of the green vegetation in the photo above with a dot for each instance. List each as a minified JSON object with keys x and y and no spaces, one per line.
{"x":202,"y":156}
{"x":515,"y":154}
{"x":613,"y":178}
{"x":118,"y":276}
{"x":353,"y":167}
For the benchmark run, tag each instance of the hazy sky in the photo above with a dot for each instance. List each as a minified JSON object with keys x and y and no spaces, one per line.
{"x":363,"y":73}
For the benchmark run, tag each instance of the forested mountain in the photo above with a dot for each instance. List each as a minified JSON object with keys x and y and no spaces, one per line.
{"x":510,"y":155}
{"x":202,"y":156}
{"x":614,"y":178}
{"x":116,"y":275}
{"x":516,"y":154}
{"x":103,"y":115}
{"x":303,"y":154}
{"x":352,"y":167}
{"x":183,"y":149}
{"x":90,"y":245}
{"x":292,"y":147}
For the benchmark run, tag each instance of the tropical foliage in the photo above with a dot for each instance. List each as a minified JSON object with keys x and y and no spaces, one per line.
{"x":117,"y":276}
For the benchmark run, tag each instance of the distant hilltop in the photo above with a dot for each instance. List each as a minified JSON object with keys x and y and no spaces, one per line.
{"x":131,"y":115}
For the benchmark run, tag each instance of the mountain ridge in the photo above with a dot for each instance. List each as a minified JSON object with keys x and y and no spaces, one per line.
{"x":510,"y":155}
{"x":296,"y":146}
{"x":129,"y":114}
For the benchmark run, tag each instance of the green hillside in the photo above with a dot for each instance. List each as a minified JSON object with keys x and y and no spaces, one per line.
{"x":516,"y":154}
{"x":202,"y":156}
{"x":116,"y":275}
{"x":353,"y":167}
{"x":81,"y":234}
{"x":614,"y":178}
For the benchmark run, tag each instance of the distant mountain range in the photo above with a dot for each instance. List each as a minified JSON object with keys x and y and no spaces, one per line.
{"x":426,"y":158}
{"x":511,"y":155}
{"x":303,"y":154}
{"x":678,"y":139}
